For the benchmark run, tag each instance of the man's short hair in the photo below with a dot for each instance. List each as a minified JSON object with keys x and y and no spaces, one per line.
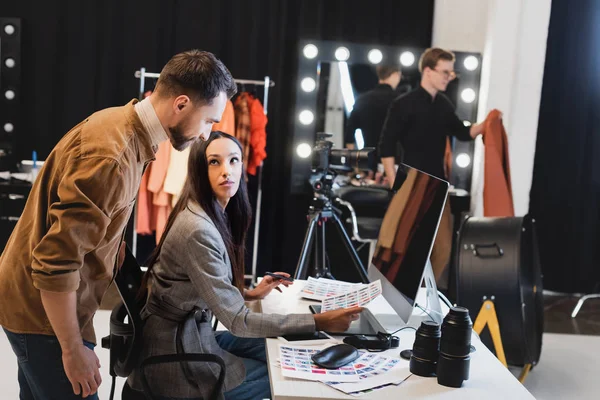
{"x":430,"y":58}
{"x":385,"y":71}
{"x":197,"y":74}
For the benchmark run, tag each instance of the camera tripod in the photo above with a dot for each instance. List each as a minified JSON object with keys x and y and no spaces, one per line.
{"x":320,"y":213}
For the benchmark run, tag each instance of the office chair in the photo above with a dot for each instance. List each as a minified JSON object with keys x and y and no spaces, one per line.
{"x":366,"y":208}
{"x":125,"y":339}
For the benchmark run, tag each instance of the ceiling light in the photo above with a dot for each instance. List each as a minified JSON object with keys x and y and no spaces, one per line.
{"x":407,"y":58}
{"x":310,"y":51}
{"x":468,"y":95}
{"x":306,"y":117}
{"x":463,"y":160}
{"x":342,"y":54}
{"x":9,"y":62}
{"x":375,"y":56}
{"x":471,"y":63}
{"x":8,"y":127}
{"x":308,"y":84}
{"x":303,"y":150}
{"x":9,"y":94}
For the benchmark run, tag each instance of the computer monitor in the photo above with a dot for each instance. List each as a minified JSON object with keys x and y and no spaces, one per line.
{"x":401,"y":257}
{"x":406,"y":238}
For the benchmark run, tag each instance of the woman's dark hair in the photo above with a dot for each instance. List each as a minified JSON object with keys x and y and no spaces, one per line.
{"x":232,"y":224}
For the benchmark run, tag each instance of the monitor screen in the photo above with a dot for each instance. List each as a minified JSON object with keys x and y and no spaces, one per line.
{"x":406,"y":237}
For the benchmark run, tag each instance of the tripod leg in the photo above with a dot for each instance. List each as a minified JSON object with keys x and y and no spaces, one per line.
{"x":306,"y":248}
{"x":321,"y":267}
{"x":353,"y":254}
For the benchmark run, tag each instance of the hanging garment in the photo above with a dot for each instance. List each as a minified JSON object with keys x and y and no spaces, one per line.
{"x":161,"y":200}
{"x":144,"y":206}
{"x":448,"y":159}
{"x":497,"y":189}
{"x":176,"y":173}
{"x":154,"y":204}
{"x":258,"y":134}
{"x":227,"y":123}
{"x":242,"y":125}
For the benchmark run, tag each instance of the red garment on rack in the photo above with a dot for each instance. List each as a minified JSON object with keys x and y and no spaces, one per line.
{"x":242,"y":125}
{"x":258,"y":134}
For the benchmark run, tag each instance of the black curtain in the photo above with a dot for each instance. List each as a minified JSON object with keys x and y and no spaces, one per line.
{"x":565,"y":194}
{"x":80,"y":56}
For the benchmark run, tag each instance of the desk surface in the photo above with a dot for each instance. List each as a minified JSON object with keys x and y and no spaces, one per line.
{"x":488,"y":379}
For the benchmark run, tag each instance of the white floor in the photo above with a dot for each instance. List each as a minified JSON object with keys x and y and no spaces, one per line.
{"x":569,"y":367}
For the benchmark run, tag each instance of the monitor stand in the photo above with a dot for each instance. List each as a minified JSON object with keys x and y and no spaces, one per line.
{"x":432,"y":301}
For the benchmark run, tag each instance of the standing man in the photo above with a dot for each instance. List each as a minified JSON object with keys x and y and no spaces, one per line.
{"x":61,"y":256}
{"x":420,"y":121}
{"x":371,"y":108}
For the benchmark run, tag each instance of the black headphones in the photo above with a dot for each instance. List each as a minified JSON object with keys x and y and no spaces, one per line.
{"x":382,"y":341}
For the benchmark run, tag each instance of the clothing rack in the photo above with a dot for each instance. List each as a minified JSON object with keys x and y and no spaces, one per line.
{"x":141,"y":74}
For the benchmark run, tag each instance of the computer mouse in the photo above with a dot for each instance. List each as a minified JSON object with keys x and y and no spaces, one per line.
{"x":335,"y":356}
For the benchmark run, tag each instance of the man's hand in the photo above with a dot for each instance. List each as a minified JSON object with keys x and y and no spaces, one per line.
{"x":265,"y":286}
{"x":83,"y":369}
{"x":337,"y":320}
{"x":476,"y":130}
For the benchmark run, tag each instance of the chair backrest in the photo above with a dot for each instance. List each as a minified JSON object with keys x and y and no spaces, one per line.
{"x":126,"y":324}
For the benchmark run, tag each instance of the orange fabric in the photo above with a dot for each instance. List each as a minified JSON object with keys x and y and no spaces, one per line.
{"x":161,"y":200}
{"x":497,"y":189}
{"x":242,"y":125}
{"x":154,"y":204}
{"x":227,"y":123}
{"x":144,"y":206}
{"x":258,"y":134}
{"x":448,"y":159}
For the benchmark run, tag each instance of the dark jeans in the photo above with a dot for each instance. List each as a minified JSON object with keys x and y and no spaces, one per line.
{"x":253,"y":352}
{"x":41,"y":372}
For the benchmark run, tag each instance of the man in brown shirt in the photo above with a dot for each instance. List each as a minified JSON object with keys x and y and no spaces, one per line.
{"x":61,"y":256}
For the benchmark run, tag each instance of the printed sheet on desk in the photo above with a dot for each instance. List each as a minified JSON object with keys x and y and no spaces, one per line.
{"x":369,"y":372}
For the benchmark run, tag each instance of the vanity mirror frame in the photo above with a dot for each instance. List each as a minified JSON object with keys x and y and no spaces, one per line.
{"x":311,"y":53}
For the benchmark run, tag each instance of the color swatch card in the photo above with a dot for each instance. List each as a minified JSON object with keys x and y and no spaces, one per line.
{"x":296,"y":362}
{"x":321,"y":288}
{"x":361,"y":297}
{"x":376,"y":371}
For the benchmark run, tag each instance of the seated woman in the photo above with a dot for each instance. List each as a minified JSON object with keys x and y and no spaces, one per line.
{"x":198,"y":269}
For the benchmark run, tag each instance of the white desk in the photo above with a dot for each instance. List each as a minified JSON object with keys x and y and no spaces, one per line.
{"x":488,"y":378}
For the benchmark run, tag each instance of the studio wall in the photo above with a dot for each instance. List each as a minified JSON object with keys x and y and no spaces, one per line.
{"x":80,"y":56}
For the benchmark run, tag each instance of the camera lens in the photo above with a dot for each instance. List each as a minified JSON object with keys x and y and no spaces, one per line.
{"x":455,"y":346}
{"x":423,"y":361}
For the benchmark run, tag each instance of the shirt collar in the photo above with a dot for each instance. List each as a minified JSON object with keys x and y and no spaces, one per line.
{"x":383,"y":86}
{"x":426,"y":94}
{"x":151,"y":123}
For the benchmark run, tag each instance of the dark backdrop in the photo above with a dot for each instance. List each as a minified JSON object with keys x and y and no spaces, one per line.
{"x":565,"y":194}
{"x":80,"y":56}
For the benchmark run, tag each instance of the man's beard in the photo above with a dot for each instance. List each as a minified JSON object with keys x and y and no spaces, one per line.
{"x":178,"y":141}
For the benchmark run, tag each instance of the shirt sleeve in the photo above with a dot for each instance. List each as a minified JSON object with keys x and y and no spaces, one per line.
{"x":88,"y":195}
{"x":455,"y":126}
{"x":351,"y":126}
{"x":210,"y":276}
{"x":393,"y":129}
